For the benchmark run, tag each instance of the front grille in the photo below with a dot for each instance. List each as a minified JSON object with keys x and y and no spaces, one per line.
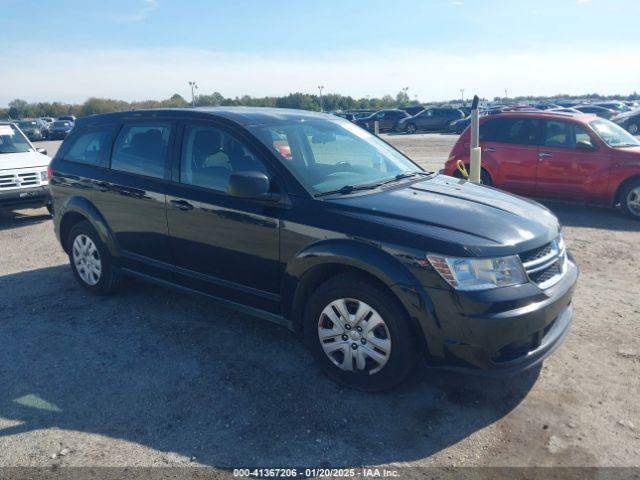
{"x":545,"y":265}
{"x":12,"y":181}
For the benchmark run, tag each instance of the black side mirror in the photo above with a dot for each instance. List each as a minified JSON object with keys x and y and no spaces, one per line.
{"x":585,"y":146}
{"x":43,"y":151}
{"x":251,"y":184}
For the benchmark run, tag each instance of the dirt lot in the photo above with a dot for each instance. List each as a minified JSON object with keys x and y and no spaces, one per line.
{"x":153,"y":377}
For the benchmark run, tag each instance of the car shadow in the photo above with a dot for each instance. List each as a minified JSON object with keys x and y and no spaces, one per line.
{"x":591,"y":216}
{"x":15,"y":219}
{"x":180,"y":373}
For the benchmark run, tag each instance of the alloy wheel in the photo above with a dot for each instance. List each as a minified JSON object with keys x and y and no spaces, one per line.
{"x":633,"y":201}
{"x":354,"y":336}
{"x":633,"y":129}
{"x":86,"y":259}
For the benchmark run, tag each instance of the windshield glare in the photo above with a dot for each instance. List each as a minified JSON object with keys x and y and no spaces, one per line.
{"x":326,"y":155}
{"x":613,"y":135}
{"x":12,"y":140}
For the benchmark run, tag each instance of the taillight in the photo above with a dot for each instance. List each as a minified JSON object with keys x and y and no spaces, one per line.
{"x":49,"y":173}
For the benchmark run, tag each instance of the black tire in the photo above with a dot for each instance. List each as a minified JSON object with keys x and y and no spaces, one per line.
{"x":629,"y":193}
{"x":402,"y":356}
{"x":411,"y":128}
{"x":109,"y":279}
{"x":485,"y":178}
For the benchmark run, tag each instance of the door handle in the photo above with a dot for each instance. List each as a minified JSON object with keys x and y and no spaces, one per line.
{"x":544,"y":155}
{"x":182,"y":205}
{"x":489,"y":149}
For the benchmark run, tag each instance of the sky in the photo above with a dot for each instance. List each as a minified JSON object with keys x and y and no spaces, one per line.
{"x":69,"y":50}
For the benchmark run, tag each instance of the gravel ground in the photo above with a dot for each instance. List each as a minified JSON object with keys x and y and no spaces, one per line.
{"x":152,"y":377}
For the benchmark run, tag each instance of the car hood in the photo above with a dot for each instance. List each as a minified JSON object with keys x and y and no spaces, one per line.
{"x":10,"y":161}
{"x":457,"y":216}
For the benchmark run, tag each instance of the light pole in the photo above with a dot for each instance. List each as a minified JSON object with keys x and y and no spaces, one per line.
{"x":462,"y":94}
{"x":505,"y":94}
{"x":193,"y":86}
{"x":320,"y":88}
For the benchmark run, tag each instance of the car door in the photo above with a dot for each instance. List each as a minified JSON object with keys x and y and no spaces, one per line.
{"x":223,"y":245}
{"x":566,"y":168}
{"x":510,"y":152}
{"x":387,"y":121}
{"x":425,"y":120}
{"x":131,"y":194}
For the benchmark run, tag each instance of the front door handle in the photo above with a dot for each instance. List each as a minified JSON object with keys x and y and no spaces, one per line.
{"x":544,"y":155}
{"x":182,"y":205}
{"x":489,"y":149}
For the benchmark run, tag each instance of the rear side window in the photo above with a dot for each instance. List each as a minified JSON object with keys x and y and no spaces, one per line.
{"x":519,"y":131}
{"x":142,"y":149}
{"x":90,"y":146}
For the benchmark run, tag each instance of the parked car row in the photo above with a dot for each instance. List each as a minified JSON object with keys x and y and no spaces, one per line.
{"x":46,"y":128}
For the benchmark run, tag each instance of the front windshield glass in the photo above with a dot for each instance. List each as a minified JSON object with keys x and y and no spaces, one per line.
{"x":61,"y":124}
{"x":12,"y":140}
{"x":614,"y":135}
{"x":328,"y":155}
{"x":27,"y":124}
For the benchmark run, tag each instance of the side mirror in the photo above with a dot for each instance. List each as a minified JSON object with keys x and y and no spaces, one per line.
{"x":585,"y":146}
{"x":43,"y":151}
{"x":251,"y":184}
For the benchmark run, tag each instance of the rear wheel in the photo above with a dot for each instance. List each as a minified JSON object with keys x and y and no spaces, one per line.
{"x":411,"y":128}
{"x":90,"y":260}
{"x":359,"y":334}
{"x":630,"y":200}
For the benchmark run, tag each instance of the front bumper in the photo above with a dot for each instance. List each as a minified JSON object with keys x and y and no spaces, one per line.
{"x":33,"y":197}
{"x":499,"y":331}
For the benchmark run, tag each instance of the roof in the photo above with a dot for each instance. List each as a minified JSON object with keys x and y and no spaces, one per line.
{"x":539,"y":114}
{"x":242,"y":115}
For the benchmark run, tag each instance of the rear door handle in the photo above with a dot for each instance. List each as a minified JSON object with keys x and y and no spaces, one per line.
{"x":489,"y":149}
{"x":182,"y":205}
{"x":544,"y":155}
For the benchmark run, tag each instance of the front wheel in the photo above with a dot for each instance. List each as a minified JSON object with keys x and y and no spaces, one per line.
{"x":411,"y":128}
{"x":359,"y":334}
{"x":633,"y":129}
{"x":630,"y":200}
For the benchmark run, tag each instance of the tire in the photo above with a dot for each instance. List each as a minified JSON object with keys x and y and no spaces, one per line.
{"x":485,"y":177}
{"x":381,"y":357}
{"x":411,"y":128}
{"x":88,"y":255}
{"x":630,"y":199}
{"x":633,"y":128}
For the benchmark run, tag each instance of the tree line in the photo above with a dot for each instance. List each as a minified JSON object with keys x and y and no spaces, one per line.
{"x":19,"y":108}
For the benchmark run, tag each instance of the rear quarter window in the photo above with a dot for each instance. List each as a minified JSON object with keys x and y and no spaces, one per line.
{"x":90,"y":146}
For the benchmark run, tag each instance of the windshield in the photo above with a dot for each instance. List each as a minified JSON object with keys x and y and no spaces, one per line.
{"x":27,"y":124}
{"x":328,"y":155}
{"x":12,"y":140}
{"x":61,"y":124}
{"x":613,"y":135}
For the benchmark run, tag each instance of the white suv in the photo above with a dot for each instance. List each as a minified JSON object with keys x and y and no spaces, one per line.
{"x":23,"y":171}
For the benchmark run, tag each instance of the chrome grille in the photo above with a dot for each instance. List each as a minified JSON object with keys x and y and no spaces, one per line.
{"x":545,"y":265}
{"x":16,"y":180}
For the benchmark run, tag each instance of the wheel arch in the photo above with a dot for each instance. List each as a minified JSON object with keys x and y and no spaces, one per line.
{"x":78,"y":209}
{"x":324,"y":260}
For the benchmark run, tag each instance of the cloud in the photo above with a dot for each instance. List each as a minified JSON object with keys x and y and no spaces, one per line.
{"x":138,"y":74}
{"x":141,"y":14}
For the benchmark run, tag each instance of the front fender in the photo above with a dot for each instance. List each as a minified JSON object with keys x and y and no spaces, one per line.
{"x":75,"y":205}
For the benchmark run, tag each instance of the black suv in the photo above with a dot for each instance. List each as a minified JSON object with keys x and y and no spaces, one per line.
{"x":309,"y":221}
{"x":432,"y":119}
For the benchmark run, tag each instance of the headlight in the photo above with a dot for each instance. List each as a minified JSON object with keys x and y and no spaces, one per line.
{"x":479,"y":273}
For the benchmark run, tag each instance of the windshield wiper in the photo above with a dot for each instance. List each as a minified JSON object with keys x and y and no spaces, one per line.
{"x":347,"y":189}
{"x":403,"y":175}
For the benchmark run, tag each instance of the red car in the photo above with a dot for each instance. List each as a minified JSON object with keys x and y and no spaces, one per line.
{"x":557,"y":156}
